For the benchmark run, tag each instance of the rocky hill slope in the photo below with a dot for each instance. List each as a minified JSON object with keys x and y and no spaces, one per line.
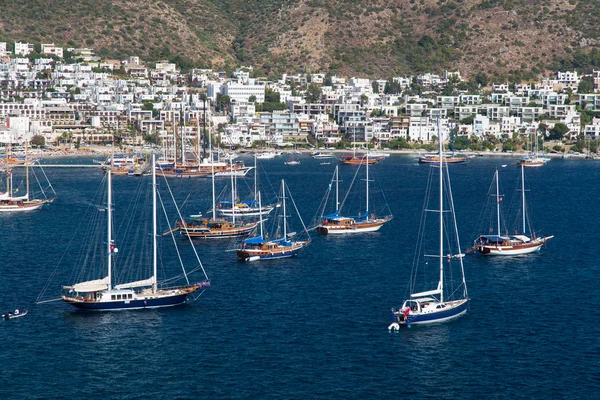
{"x":506,"y":38}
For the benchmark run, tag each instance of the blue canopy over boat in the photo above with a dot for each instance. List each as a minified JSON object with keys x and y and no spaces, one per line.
{"x":254,"y":241}
{"x":336,"y":214}
{"x":494,"y":238}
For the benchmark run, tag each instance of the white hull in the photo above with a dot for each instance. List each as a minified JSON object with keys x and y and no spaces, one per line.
{"x":332,"y":230}
{"x":512,"y":251}
{"x":25,"y":208}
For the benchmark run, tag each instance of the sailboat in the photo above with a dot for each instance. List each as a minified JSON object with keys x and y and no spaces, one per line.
{"x":243,"y":208}
{"x":102,"y":294}
{"x":286,"y":243}
{"x":533,"y":159}
{"x":11,"y":203}
{"x":335,"y":223}
{"x":215,"y":228}
{"x":510,"y":245}
{"x":448,"y":299}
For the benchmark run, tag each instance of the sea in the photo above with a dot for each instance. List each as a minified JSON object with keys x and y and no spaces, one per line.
{"x":316,"y":326}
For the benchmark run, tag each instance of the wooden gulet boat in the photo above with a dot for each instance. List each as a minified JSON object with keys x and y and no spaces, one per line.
{"x":215,"y":228}
{"x":337,"y":224}
{"x":14,"y":204}
{"x":509,"y":245}
{"x":260,"y":248}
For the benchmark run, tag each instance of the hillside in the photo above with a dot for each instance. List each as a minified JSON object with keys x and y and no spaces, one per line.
{"x":506,"y":38}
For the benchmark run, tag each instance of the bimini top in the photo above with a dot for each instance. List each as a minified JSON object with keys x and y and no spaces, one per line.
{"x":254,"y":241}
{"x":494,"y":238}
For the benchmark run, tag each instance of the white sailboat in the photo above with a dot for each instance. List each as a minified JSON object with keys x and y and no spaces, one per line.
{"x":510,"y":245}
{"x":447,"y":299}
{"x":103,"y":294}
{"x":9,"y":202}
{"x":243,"y":208}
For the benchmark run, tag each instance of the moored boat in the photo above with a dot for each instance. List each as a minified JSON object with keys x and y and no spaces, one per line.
{"x":497,"y":244}
{"x":443,"y":299}
{"x":102,"y":294}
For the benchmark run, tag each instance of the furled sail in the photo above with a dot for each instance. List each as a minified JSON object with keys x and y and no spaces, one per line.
{"x":144,"y":282}
{"x":89,"y":286}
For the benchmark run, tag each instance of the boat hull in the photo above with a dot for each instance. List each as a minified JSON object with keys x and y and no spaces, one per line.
{"x":457,"y":308}
{"x":204,"y":233}
{"x":271,"y":253}
{"x":31,"y":205}
{"x":134,"y":304}
{"x":361,"y":227}
{"x":512,"y":250}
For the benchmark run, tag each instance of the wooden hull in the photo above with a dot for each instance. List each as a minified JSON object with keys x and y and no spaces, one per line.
{"x":448,"y":160}
{"x":24,"y":206}
{"x":512,"y":249}
{"x":204,"y":232}
{"x":355,"y":227}
{"x":358,"y":161}
{"x":270,"y":253}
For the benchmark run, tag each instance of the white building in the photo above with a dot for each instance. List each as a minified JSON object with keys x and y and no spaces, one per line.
{"x":50,"y":48}
{"x":242,"y":93}
{"x":23,"y":49}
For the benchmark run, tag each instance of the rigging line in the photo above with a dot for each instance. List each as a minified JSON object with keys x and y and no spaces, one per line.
{"x":351,"y":185}
{"x":297,"y":212}
{"x":173,"y":237}
{"x":46,"y":176}
{"x":50,"y":278}
{"x":449,"y":191}
{"x":181,"y":218}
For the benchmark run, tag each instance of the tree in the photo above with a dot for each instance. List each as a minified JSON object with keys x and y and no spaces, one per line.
{"x":223,"y":101}
{"x":313,"y":93}
{"x":586,"y":85}
{"x":252,"y":99}
{"x":38,"y":140}
{"x":557,"y":132}
{"x":271,"y":96}
{"x":392,"y":87}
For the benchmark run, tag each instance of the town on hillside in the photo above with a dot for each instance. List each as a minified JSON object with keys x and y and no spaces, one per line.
{"x":83,"y":101}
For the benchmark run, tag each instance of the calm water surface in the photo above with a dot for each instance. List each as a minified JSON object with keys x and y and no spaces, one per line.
{"x":315,"y":326}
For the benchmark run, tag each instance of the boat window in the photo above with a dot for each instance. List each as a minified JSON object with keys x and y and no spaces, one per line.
{"x":112,"y":297}
{"x":130,"y":296}
{"x":118,"y":297}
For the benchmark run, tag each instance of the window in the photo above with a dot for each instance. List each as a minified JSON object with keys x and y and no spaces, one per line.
{"x":112,"y":297}
{"x":118,"y":297}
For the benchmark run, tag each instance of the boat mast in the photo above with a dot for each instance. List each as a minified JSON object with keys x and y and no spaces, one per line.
{"x":109,"y":227}
{"x":497,"y":203}
{"x":27,"y":169}
{"x":260,"y":216}
{"x":232,"y":194}
{"x":441,"y":283}
{"x":337,"y":196}
{"x":284,"y":212}
{"x":523,"y":195}
{"x":212,"y":171}
{"x":255,"y":176}
{"x":367,"y":180}
{"x":154,"y":222}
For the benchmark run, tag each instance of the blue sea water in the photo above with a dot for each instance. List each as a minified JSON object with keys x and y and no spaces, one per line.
{"x":315,"y":326}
